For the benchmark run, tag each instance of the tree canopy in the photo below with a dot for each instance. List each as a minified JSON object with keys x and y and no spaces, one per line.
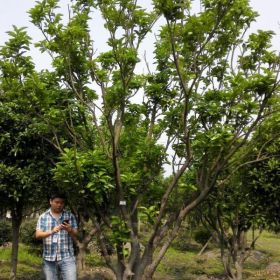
{"x":117,"y":131}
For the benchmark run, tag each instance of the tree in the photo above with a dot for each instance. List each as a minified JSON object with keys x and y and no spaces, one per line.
{"x":209,"y":91}
{"x":262,"y":176}
{"x":246,"y":195}
{"x":86,"y":177}
{"x":26,"y":158}
{"x":229,"y":213}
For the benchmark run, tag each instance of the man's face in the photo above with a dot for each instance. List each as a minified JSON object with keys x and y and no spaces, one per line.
{"x":57,"y":204}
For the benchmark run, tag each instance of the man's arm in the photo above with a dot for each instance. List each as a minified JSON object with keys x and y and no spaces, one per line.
{"x":44,"y":234}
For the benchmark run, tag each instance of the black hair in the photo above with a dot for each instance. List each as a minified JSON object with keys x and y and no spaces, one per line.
{"x":57,"y":195}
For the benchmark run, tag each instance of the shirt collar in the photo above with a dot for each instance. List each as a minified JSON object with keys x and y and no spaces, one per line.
{"x":59,"y":217}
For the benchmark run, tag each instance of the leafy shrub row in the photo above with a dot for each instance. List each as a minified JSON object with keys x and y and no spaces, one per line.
{"x":27,"y":232}
{"x":5,"y":232}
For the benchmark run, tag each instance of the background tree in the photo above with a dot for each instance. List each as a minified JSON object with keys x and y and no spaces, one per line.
{"x":246,"y":198}
{"x":25,"y":157}
{"x":86,"y":177}
{"x":202,"y":103}
{"x":263,"y":176}
{"x":229,"y":213}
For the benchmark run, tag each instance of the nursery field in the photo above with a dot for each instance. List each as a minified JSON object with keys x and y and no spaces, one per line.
{"x":181,"y":262}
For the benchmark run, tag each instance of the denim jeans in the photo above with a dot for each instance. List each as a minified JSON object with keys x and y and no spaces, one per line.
{"x":66,"y":268}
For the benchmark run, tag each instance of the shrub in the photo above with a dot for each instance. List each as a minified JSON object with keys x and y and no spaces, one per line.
{"x":184,"y":241}
{"x":201,"y":235}
{"x":27,"y":236}
{"x":5,"y":232}
{"x":27,"y":232}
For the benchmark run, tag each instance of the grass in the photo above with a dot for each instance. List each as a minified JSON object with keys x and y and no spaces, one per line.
{"x":187,"y":265}
{"x":29,"y":264}
{"x":270,"y":243}
{"x":178,"y":264}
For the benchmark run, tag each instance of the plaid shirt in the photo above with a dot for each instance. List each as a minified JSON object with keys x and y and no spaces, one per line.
{"x":63,"y":248}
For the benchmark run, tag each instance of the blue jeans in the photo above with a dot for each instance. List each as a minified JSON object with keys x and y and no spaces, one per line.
{"x":66,"y":268}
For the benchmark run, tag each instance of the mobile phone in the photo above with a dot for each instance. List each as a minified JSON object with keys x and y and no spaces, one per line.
{"x":66,"y":221}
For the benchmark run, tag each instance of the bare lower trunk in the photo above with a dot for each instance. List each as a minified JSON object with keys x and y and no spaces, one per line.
{"x":145,"y":261}
{"x":16,"y":222}
{"x":81,"y":258}
{"x":227,"y":266}
{"x":233,"y":264}
{"x":83,"y":245}
{"x":233,"y":275}
{"x":125,"y":270}
{"x":239,"y":270}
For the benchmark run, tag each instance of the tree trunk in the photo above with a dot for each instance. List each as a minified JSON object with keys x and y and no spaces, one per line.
{"x":253,"y":237}
{"x":82,"y":244}
{"x":16,"y":222}
{"x":242,"y":241}
{"x":239,"y":270}
{"x":145,"y":260}
{"x":227,"y":266}
{"x":136,"y":270}
{"x":81,"y":257}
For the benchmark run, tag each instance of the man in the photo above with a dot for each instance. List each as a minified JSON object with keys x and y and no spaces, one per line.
{"x":58,"y":229}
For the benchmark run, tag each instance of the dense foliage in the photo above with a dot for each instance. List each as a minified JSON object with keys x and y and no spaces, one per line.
{"x":115,"y":133}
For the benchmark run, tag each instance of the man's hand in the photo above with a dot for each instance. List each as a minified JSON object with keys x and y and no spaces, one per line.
{"x":66,"y":227}
{"x":43,"y":234}
{"x":57,"y":229}
{"x":73,"y":232}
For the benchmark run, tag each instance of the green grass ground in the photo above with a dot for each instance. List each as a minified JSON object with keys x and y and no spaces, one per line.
{"x":178,"y":264}
{"x":187,"y":265}
{"x":29,"y":264}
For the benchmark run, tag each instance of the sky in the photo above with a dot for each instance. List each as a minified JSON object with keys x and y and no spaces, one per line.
{"x":14,"y":12}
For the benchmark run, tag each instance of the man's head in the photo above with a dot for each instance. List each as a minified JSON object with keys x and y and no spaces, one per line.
{"x":57,"y":202}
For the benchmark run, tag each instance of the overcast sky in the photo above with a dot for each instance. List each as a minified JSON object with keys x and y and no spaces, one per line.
{"x":13,"y":12}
